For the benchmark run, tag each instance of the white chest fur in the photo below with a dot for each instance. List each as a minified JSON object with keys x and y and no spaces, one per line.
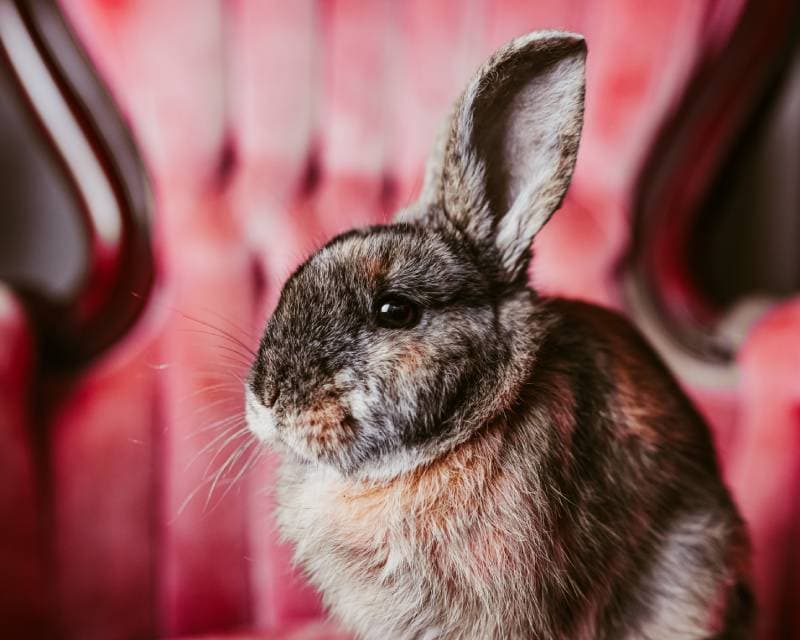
{"x":412,"y":558}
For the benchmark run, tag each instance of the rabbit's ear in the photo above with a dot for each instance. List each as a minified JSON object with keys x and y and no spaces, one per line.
{"x":505,"y":160}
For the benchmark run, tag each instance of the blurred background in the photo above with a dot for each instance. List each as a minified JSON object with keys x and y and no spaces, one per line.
{"x":164,"y":165}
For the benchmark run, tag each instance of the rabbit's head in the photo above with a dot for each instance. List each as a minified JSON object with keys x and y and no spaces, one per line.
{"x":393,"y":343}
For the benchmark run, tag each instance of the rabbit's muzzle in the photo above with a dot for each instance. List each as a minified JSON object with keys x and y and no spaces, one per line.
{"x":318,"y":432}
{"x":317,"y":429}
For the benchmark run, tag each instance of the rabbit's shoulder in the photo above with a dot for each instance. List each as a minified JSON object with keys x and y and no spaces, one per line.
{"x":607,"y":359}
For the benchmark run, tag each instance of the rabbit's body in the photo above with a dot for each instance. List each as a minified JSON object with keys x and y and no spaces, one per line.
{"x":465,"y":460}
{"x":569,"y":515}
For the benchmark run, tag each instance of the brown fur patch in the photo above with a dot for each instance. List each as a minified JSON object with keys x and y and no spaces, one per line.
{"x":642,"y":396}
{"x":464,"y":471}
{"x":412,"y":357}
{"x":374,"y":268}
{"x":636,"y":402}
{"x":323,"y":428}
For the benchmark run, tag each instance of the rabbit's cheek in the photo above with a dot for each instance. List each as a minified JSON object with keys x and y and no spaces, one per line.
{"x":365,"y":398}
{"x":320,"y":432}
{"x":260,"y":419}
{"x":411,"y":360}
{"x":360,"y":403}
{"x":370,"y":405}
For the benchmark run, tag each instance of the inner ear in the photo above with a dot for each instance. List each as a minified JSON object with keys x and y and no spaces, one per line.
{"x":519,"y":130}
{"x":506,"y":159}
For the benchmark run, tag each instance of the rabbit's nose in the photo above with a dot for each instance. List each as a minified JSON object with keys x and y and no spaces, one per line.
{"x":271,"y":395}
{"x":267,"y":383}
{"x":269,"y":392}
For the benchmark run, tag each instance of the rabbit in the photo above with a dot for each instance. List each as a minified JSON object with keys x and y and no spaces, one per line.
{"x":463,"y":458}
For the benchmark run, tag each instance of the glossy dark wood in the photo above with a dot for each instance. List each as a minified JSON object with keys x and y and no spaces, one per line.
{"x":76,"y":198}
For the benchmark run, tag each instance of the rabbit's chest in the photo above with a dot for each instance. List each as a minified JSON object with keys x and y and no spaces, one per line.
{"x":422,"y":545}
{"x":378,"y":533}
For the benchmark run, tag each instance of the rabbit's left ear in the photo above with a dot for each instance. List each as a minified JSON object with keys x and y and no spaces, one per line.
{"x":505,"y":161}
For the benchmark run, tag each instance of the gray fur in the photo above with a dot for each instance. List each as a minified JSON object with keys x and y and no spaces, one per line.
{"x":509,"y":467}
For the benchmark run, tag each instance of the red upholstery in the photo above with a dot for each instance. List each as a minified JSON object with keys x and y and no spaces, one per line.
{"x":22,"y":604}
{"x":310,"y":631}
{"x":765,"y":466}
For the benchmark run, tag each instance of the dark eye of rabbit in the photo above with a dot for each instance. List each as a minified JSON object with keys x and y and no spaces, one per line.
{"x":396,"y":313}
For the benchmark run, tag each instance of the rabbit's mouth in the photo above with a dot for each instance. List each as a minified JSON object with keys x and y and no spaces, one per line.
{"x":319,"y":432}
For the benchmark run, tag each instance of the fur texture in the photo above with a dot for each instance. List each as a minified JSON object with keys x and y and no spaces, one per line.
{"x":508,"y":466}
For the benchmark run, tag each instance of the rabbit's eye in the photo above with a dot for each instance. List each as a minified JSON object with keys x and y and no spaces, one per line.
{"x":396,"y":313}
